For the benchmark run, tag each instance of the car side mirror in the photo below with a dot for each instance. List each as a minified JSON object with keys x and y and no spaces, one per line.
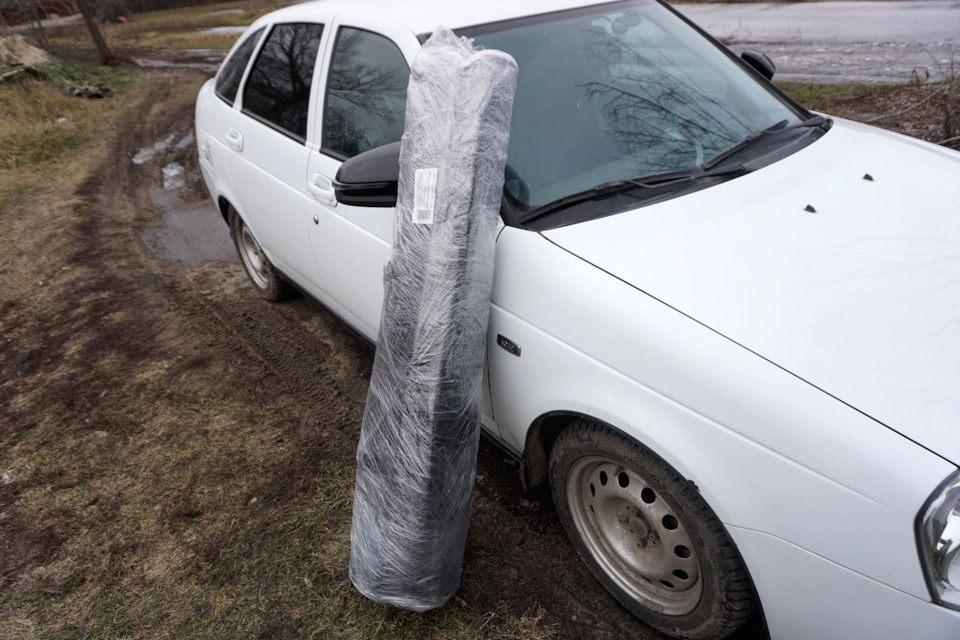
{"x":760,"y":62}
{"x":369,"y":179}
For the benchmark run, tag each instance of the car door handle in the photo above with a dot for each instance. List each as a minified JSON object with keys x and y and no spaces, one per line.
{"x":234,"y":139}
{"x":321,"y":187}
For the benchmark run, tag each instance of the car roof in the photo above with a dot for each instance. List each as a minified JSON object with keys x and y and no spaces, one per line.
{"x":423,"y":16}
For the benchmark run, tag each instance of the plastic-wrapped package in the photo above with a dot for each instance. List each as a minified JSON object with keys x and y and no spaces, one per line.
{"x":418,"y":447}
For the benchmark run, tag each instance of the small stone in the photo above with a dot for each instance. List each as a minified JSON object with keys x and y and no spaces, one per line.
{"x":5,"y":478}
{"x":526,"y":504}
{"x":25,"y":622}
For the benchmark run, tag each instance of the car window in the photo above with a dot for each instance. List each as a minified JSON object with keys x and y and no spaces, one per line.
{"x":278,"y":88}
{"x":366,"y":94}
{"x":229,"y":80}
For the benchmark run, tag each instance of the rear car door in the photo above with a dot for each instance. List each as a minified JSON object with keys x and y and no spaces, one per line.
{"x":364,"y":101}
{"x":267,"y":135}
{"x":214,"y":117}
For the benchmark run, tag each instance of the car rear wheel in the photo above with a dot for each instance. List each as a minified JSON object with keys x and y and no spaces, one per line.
{"x":647,"y":535}
{"x":264,"y":277}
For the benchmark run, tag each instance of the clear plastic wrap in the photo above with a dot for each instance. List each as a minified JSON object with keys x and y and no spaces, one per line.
{"x":418,"y":447}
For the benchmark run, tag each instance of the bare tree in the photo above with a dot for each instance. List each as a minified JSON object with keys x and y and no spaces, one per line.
{"x":104,"y":55}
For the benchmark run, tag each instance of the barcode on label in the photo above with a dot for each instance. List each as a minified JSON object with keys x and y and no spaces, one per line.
{"x":424,"y":195}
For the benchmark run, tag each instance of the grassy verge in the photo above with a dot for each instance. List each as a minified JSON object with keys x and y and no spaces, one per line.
{"x":43,"y":131}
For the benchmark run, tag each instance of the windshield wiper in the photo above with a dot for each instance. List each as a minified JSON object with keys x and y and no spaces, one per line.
{"x":709,"y":169}
{"x":655,"y":181}
{"x":780,"y":127}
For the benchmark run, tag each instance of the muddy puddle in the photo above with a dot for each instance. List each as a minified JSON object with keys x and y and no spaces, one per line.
{"x":205,"y":60}
{"x":189,"y":233}
{"x":215,"y":31}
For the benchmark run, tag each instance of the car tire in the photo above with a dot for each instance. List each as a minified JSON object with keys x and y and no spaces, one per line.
{"x":261,"y":273}
{"x":647,"y":535}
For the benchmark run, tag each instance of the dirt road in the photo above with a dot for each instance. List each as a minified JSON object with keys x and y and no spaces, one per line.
{"x":178,"y":454}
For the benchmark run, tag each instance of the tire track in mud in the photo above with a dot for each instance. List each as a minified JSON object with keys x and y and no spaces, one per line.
{"x":305,"y":368}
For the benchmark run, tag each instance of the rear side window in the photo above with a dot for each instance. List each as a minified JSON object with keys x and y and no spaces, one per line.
{"x":277,"y":90}
{"x":230,"y":77}
{"x":366,"y":95}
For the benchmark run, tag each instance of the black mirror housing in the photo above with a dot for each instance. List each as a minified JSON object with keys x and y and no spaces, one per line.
{"x":760,"y":62}
{"x":369,"y":179}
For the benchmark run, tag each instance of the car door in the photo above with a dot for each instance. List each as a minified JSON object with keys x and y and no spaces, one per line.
{"x":267,"y":133}
{"x":214,"y":117}
{"x":364,"y":99}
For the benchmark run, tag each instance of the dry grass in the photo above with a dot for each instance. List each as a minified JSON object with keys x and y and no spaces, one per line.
{"x":32,"y":132}
{"x":42,"y":128}
{"x":926,"y":110}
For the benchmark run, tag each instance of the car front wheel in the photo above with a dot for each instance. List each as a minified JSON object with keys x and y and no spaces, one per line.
{"x":647,"y":535}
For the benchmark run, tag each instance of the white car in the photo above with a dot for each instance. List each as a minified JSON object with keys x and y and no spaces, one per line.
{"x":724,"y":329}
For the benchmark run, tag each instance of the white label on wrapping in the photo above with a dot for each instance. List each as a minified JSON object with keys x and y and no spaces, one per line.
{"x":424,"y":195}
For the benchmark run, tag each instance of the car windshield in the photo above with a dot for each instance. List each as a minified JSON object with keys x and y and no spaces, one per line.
{"x":618,"y":92}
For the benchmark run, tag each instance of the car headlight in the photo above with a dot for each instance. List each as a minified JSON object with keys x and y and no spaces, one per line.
{"x":939,"y":538}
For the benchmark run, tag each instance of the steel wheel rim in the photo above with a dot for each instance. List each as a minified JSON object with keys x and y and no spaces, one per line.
{"x":635,"y":536}
{"x":253,"y":258}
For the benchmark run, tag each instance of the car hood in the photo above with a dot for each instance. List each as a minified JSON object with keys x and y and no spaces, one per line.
{"x":860,"y":298}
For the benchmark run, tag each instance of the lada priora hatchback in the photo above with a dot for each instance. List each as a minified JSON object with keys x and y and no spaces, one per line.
{"x":723,"y":328}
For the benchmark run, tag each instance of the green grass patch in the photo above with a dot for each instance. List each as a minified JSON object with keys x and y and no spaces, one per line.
{"x":811,"y":94}
{"x":64,"y":73}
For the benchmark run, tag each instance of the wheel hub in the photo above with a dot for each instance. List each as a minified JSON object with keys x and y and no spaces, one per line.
{"x":253,"y":258}
{"x":634,"y":535}
{"x":639,"y":527}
